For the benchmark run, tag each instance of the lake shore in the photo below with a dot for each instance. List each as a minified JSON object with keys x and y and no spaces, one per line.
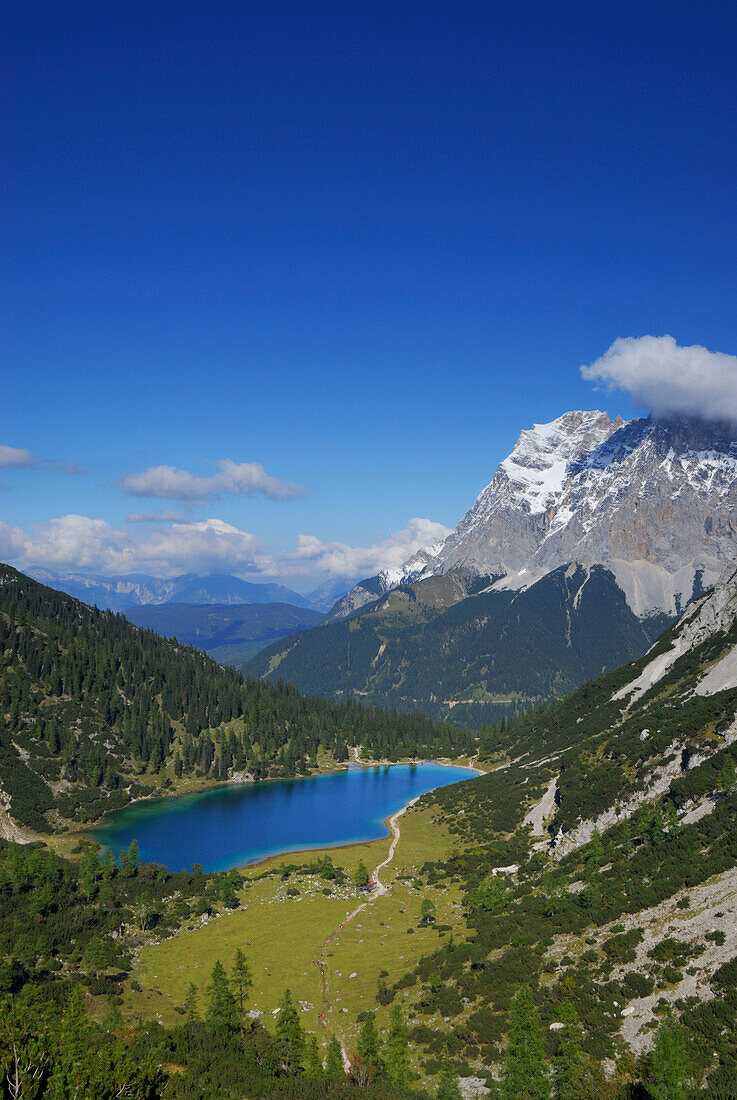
{"x":242,"y":825}
{"x":203,"y":785}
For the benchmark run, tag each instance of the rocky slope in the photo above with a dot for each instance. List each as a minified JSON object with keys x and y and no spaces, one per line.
{"x":598,"y":861}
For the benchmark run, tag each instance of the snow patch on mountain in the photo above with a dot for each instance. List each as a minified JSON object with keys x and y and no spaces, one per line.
{"x":373,"y":588}
{"x":538,"y":466}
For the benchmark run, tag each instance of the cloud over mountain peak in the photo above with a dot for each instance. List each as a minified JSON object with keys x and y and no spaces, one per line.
{"x":669,"y":379}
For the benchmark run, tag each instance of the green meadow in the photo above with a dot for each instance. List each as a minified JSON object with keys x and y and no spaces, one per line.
{"x":286,"y":916}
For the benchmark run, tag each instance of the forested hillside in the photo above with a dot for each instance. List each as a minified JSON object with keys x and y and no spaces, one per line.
{"x":94,"y":712}
{"x":474,"y":658}
{"x":69,"y":934}
{"x":599,"y":864}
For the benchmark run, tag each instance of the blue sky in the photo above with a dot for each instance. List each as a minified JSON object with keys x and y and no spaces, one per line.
{"x":361,"y":246}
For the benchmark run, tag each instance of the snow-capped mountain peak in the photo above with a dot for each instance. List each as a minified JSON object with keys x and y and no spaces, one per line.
{"x":538,"y":466}
{"x":653,"y":500}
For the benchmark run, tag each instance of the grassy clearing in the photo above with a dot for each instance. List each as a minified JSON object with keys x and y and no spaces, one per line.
{"x":379,"y":939}
{"x":278,"y":936}
{"x":282,"y":935}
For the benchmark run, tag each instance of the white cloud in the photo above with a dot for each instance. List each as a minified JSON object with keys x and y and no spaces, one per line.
{"x":20,"y":458}
{"x":669,"y":379}
{"x":16,"y":456}
{"x":162,"y":515}
{"x":12,"y":541}
{"x":339,"y":559}
{"x":78,"y":543}
{"x":243,"y":478}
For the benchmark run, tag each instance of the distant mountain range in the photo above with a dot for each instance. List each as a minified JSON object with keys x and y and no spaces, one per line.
{"x":231,"y":633}
{"x":138,"y":590}
{"x":592,"y":527}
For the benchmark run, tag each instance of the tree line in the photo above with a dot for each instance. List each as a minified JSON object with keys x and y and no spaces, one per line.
{"x":104,"y":712}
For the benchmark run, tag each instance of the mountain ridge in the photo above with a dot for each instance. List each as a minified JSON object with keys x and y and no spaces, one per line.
{"x":652,"y":499}
{"x":118,"y":593}
{"x":231,"y":633}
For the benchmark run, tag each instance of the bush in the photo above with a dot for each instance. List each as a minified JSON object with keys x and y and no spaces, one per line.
{"x":621,"y":948}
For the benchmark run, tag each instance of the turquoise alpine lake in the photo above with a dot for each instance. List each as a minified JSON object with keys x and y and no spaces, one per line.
{"x":244,"y":822}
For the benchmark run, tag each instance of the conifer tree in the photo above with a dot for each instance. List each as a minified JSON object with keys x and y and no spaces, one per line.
{"x":626,"y":835}
{"x":669,"y":1062}
{"x":290,"y":1039}
{"x":334,"y":1063}
{"x":222,"y":1009}
{"x":313,"y":1062}
{"x":361,"y":875}
{"x":727,"y":776}
{"x":596,"y":849}
{"x":427,"y":911}
{"x":398,"y":1066}
{"x":90,"y":869}
{"x":524,"y":1072}
{"x":191,"y":1005}
{"x":569,"y":1068}
{"x":369,"y":1048}
{"x":108,"y":866}
{"x":670,"y":816}
{"x":241,"y":978}
{"x":129,"y":860}
{"x":657,"y":824}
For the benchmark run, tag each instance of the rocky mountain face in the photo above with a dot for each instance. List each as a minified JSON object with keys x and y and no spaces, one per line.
{"x":655,"y":501}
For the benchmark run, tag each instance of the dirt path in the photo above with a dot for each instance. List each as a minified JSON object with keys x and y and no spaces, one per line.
{"x":378,"y":890}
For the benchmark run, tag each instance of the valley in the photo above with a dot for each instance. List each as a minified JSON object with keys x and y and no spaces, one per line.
{"x":592,"y":535}
{"x":293,"y":918}
{"x":231,"y":633}
{"x":580,"y":888}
